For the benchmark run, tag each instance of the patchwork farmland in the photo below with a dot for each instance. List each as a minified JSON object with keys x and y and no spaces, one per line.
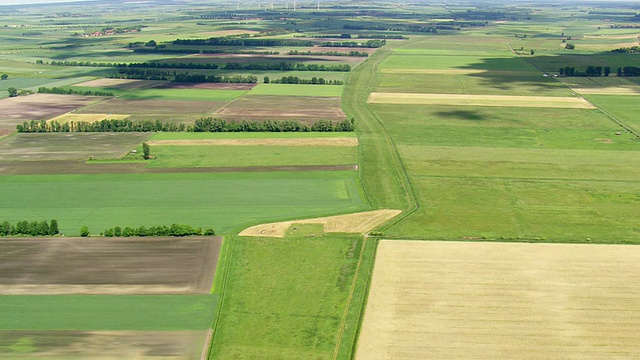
{"x":290,"y":141}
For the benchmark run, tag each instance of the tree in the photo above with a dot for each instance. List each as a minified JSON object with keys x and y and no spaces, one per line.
{"x":145,"y":150}
{"x":607,"y":71}
{"x":266,"y":80}
{"x":53,"y":227}
{"x":533,"y":51}
{"x":4,"y":77}
{"x":84,"y":231}
{"x":13,"y":92}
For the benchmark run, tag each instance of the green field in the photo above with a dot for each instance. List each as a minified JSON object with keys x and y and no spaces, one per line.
{"x":107,"y":312}
{"x":297,"y":90}
{"x":220,"y":156}
{"x":183,"y":94}
{"x":222,"y":201}
{"x":289,"y":306}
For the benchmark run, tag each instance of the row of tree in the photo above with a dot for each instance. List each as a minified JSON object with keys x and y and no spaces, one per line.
{"x":597,"y":71}
{"x":296,"y":80}
{"x":29,"y":228}
{"x":201,"y":125}
{"x":287,"y":66}
{"x":220,"y":125}
{"x":201,"y":78}
{"x":329,"y":53}
{"x":627,"y":50}
{"x":70,"y":91}
{"x":178,"y":230}
{"x":375,"y":43}
{"x":229,"y":41}
{"x":107,"y":125}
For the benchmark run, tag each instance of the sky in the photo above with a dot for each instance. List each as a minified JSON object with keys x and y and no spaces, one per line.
{"x":20,"y":2}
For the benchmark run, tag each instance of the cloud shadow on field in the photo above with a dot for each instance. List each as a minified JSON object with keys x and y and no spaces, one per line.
{"x":462,"y":115}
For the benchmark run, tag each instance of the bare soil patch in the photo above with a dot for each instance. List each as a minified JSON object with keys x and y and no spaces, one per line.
{"x":352,"y":223}
{"x":480,"y":100}
{"x":206,"y":86}
{"x":344,"y":141}
{"x":107,"y":345}
{"x":68,"y":146}
{"x":14,"y":111}
{"x":264,"y":107}
{"x":446,"y":300}
{"x":108,"y":265}
{"x":121,"y":84}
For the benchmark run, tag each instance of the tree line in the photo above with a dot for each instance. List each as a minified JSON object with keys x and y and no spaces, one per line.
{"x":29,"y":228}
{"x":287,"y":66}
{"x":69,"y":91}
{"x":296,"y":80}
{"x":202,"y":125}
{"x":107,"y":125}
{"x":227,"y":41}
{"x":329,"y":53}
{"x":165,"y":50}
{"x":220,"y":125}
{"x":176,"y":230}
{"x":201,"y":78}
{"x":375,"y":43}
{"x":597,"y":71}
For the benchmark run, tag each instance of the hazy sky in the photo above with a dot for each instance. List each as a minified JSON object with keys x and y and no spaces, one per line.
{"x":18,"y":2}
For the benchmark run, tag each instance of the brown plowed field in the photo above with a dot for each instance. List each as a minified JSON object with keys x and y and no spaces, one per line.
{"x":68,"y":146}
{"x":463,"y":300}
{"x":30,"y":266}
{"x":265,"y":107}
{"x":342,"y":141}
{"x":164,"y":110}
{"x":121,"y":84}
{"x":16,"y":110}
{"x":81,"y":167}
{"x":104,"y":345}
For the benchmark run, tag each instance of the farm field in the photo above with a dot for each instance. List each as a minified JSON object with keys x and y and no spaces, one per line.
{"x":472,"y":122}
{"x":14,"y":111}
{"x":459,"y":299}
{"x":107,"y":312}
{"x":222,"y":201}
{"x":68,"y":146}
{"x":479,"y":100}
{"x":108,"y":266}
{"x":499,"y":158}
{"x":306,"y":109}
{"x":271,"y":301}
{"x":112,"y":345}
{"x":166,"y":110}
{"x":212,"y":155}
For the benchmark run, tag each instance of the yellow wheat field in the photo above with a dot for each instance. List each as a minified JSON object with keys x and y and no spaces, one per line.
{"x":65,"y":118}
{"x":479,"y":100}
{"x":463,"y":300}
{"x":352,"y":223}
